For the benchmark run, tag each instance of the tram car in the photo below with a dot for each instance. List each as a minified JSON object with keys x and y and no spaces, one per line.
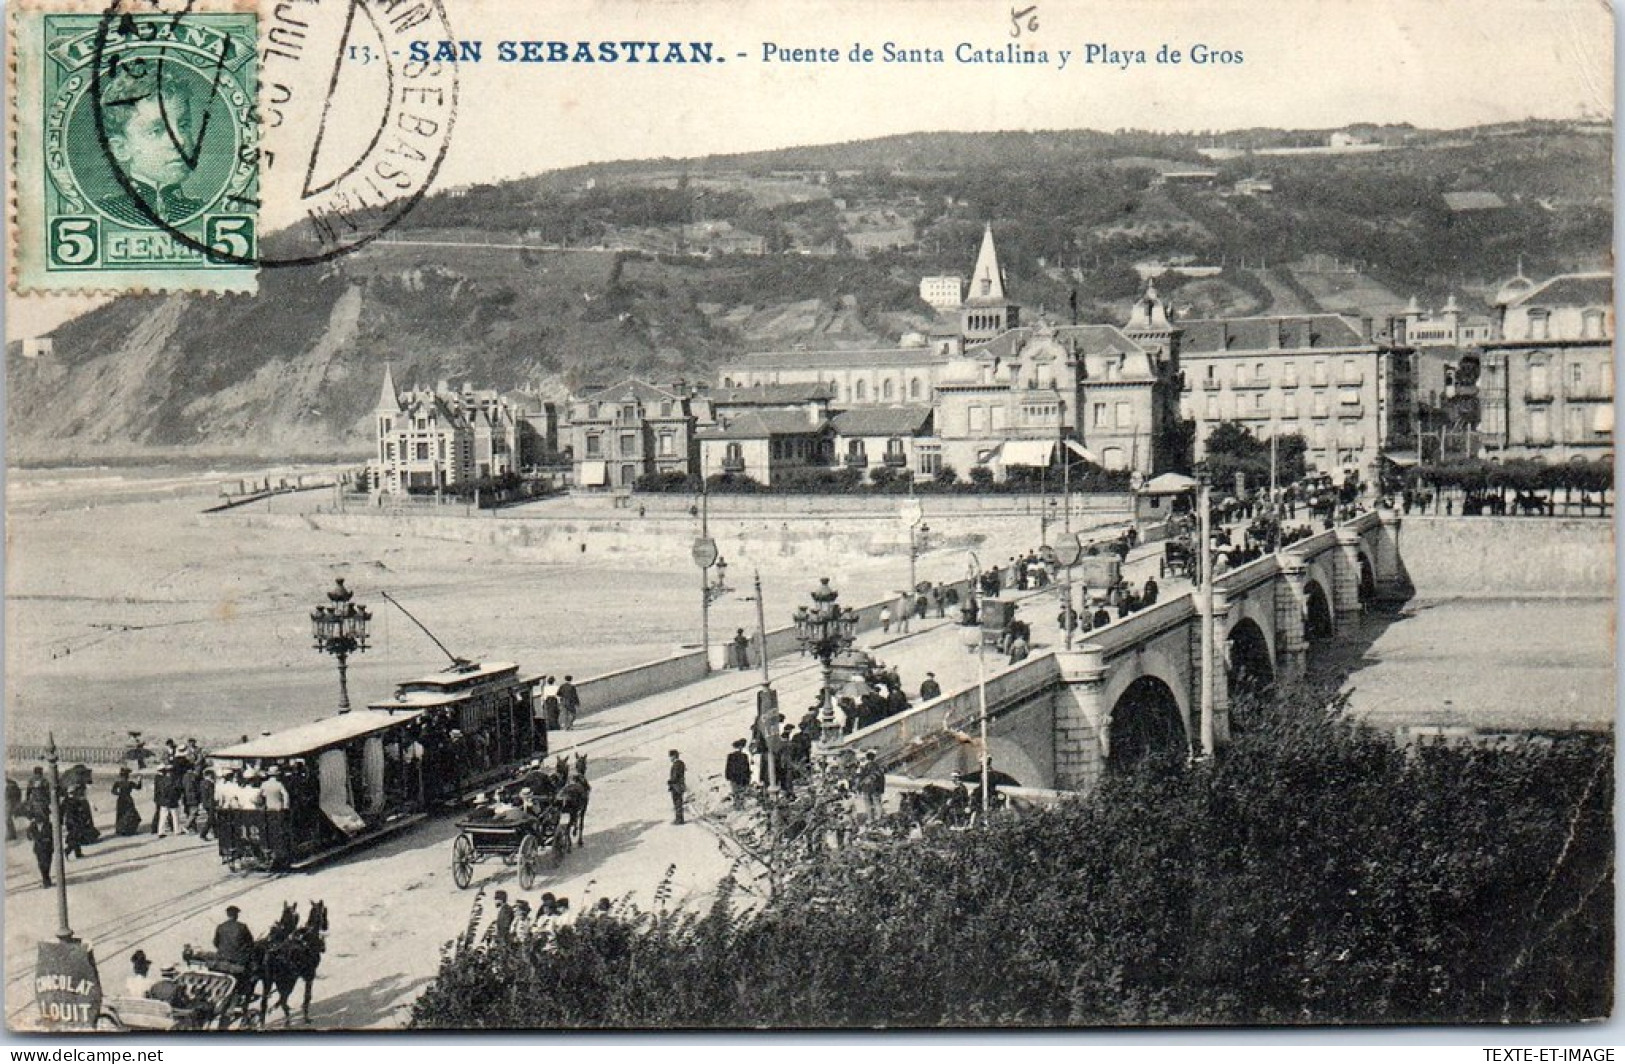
{"x":353,"y":778}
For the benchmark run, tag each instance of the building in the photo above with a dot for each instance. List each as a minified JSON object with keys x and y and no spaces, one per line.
{"x":1546,"y":384}
{"x":1012,"y":400}
{"x":986,"y":311}
{"x":437,"y":439}
{"x":944,"y":292}
{"x":897,"y":438}
{"x":1321,"y":376}
{"x":884,"y":376}
{"x":1448,"y":328}
{"x":628,"y":430}
{"x":763,"y":443}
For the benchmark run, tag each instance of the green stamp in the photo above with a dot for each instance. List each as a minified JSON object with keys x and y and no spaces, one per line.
{"x":137,"y":164}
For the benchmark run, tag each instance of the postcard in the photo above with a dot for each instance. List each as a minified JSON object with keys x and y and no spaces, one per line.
{"x":657,"y":515}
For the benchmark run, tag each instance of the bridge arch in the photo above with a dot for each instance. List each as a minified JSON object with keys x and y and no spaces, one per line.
{"x":1318,"y":626}
{"x":1145,"y":720}
{"x":1368,"y":578}
{"x":1251,"y":667}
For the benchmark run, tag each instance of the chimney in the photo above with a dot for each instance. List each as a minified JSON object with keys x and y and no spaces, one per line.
{"x":1368,"y":327}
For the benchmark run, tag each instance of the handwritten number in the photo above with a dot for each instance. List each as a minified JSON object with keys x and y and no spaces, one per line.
{"x":1017,"y":16}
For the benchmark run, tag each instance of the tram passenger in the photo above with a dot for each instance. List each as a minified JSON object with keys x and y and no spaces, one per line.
{"x":274,"y":800}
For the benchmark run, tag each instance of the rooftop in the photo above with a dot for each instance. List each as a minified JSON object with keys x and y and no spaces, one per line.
{"x":761,"y":424}
{"x":1271,"y":333}
{"x":882,"y":420}
{"x":769,"y":394}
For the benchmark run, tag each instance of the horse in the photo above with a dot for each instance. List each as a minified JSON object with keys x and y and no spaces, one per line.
{"x":574,"y":797}
{"x":294,"y":955}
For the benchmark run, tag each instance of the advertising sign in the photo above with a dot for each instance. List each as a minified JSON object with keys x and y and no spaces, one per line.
{"x":67,"y":987}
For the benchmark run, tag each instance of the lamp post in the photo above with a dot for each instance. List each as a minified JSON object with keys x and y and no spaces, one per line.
{"x":824,"y":630}
{"x":1205,"y":598}
{"x":340,"y":629}
{"x":972,"y":635}
{"x":705,"y":556}
{"x":59,"y":849}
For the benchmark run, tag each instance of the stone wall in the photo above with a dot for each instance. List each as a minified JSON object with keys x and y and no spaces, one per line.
{"x":1511,"y":557}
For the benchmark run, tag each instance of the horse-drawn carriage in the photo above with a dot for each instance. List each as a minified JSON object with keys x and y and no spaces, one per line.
{"x":207,"y":1001}
{"x":531,"y":822}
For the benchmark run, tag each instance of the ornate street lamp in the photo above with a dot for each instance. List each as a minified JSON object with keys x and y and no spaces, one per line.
{"x":340,"y":629}
{"x":824,"y":630}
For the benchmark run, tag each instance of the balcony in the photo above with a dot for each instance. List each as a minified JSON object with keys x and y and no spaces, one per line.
{"x":1537,"y":393}
{"x":1351,"y":410}
{"x":1320,"y":412}
{"x":733,"y":465}
{"x":1588,"y":393}
{"x":1351,"y":379}
{"x":1210,"y":384}
{"x":1252,"y":384}
{"x":896,"y":460}
{"x":856,"y":461}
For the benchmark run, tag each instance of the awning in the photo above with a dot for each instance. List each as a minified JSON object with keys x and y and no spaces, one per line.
{"x":1403,"y":459}
{"x":1082,"y":452}
{"x":1603,"y":419}
{"x":989,"y":455}
{"x":317,"y":735}
{"x":1028,"y":452}
{"x":594,"y":474}
{"x":1169,"y":484}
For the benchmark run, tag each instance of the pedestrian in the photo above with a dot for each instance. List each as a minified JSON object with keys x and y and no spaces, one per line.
{"x":737,"y":772}
{"x":44,"y":840}
{"x":205,"y":804}
{"x":919,"y":606}
{"x":37,"y":799}
{"x":14,"y":804}
{"x":138,"y":752}
{"x":538,"y":720}
{"x":502,"y":925}
{"x":741,"y":649}
{"x":189,"y":780}
{"x":939,"y":600}
{"x":550,"y":703}
{"x":569,"y":702}
{"x":930,"y":688}
{"x":677,"y":784}
{"x":905,"y":610}
{"x":1018,"y":648}
{"x":78,"y":820}
{"x":1150,"y":596}
{"x":126,"y":817}
{"x":885,"y":619}
{"x":166,"y":792}
{"x":872,"y":786}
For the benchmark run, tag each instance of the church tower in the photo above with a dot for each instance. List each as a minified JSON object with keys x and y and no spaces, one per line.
{"x":987,"y":311}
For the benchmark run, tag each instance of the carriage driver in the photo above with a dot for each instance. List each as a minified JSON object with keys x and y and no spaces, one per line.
{"x":233,"y":942}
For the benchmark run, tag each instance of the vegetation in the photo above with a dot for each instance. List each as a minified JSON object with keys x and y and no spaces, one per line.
{"x":1523,"y":475}
{"x":1232,"y":448}
{"x":1314,"y":872}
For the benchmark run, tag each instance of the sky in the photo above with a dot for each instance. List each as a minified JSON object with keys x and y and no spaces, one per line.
{"x":1304,"y":64}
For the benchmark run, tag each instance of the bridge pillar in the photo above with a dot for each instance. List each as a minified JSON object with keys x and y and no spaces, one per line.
{"x":1082,"y":719}
{"x":1291,"y":636}
{"x":1390,"y":574}
{"x":1346,"y":576}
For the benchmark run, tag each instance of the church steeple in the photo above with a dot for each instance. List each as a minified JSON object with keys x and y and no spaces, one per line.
{"x":987,"y":280}
{"x":388,"y":398}
{"x":987,"y":311}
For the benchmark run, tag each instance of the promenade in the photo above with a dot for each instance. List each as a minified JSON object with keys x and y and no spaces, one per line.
{"x":392,"y":906}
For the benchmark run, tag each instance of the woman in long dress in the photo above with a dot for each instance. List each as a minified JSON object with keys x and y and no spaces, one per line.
{"x":126,"y":817}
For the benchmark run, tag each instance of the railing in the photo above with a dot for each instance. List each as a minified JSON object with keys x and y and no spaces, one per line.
{"x":1210,"y":385}
{"x":19,"y":753}
{"x":896,"y":461}
{"x":1537,"y":393}
{"x":856,"y":461}
{"x":733,"y":465}
{"x":1251,"y":384}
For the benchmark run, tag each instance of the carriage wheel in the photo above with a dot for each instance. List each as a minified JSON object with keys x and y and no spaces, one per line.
{"x":462,"y":861}
{"x":109,"y":1021}
{"x":527,"y":862}
{"x":561,"y":846}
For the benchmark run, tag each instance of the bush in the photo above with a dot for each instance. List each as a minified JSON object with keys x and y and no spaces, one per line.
{"x":1315,"y":872}
{"x":669,"y":482}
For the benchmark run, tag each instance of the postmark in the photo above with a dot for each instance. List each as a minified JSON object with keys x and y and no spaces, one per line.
{"x":136,"y":142}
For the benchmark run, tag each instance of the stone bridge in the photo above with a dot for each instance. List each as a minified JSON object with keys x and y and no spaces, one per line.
{"x":1059,"y":718}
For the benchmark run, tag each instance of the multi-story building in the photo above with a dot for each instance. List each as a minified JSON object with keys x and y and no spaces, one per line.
{"x":431,"y":439}
{"x":1319,"y":376}
{"x":1546,"y":385}
{"x":875,"y":376}
{"x":620,"y":433}
{"x":943,"y":292}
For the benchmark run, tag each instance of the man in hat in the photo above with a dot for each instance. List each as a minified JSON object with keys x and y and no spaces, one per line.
{"x":930,"y":688}
{"x":140,"y":980}
{"x":167,"y":798}
{"x":569,"y":703}
{"x":737,"y":772}
{"x":502,"y":925}
{"x":233,"y":941}
{"x":274,"y":800}
{"x":677,"y":785}
{"x":44,"y":840}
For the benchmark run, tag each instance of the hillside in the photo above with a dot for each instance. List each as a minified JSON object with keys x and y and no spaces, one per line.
{"x":663,"y":268}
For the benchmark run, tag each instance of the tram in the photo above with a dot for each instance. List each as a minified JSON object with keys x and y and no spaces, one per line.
{"x":356,"y":777}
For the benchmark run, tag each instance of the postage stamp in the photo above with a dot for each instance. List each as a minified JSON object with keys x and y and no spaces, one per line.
{"x":136,"y":140}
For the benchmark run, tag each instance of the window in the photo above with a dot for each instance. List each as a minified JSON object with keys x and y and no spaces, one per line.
{"x":1576,"y":430}
{"x":1289,"y":406}
{"x":854,"y":448}
{"x":1608,"y":379}
{"x":978,"y":419}
{"x":914,"y":388}
{"x":1540,"y":426}
{"x":422,"y":424}
{"x":1213,"y":408}
{"x":1100,"y":413}
{"x":595,"y":445}
{"x":1241,"y":373}
{"x":1591,"y":324}
{"x":1125,"y":415}
{"x":1289,"y":375}
{"x":733,"y":455}
{"x":1258,"y":404}
{"x":1320,"y":404}
{"x":1113,"y":458}
{"x":995,"y":421}
{"x":1348,"y":396}
{"x":928,"y":463}
{"x":1539,"y":386}
{"x":388,"y":424}
{"x":1260,"y":374}
{"x":668,"y":444}
{"x":1540,"y":325}
{"x":629,"y":443}
{"x":1577,"y":377}
{"x":894,"y":446}
{"x":860,"y":392}
{"x":389,"y":452}
{"x":1210,"y":367}
{"x":665,"y":408}
{"x":423,"y":452}
{"x":886,"y":389}
{"x":592,"y":411}
{"x":1320,"y":371}
{"x":1351,"y":371}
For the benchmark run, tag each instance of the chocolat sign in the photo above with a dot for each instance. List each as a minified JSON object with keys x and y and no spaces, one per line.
{"x":66,"y":985}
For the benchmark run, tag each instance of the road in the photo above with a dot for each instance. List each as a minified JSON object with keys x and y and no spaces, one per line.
{"x":392,"y":906}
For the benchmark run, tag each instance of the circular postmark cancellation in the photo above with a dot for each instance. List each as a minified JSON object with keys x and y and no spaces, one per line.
{"x":337,"y":138}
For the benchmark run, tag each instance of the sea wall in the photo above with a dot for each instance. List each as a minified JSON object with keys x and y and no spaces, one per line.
{"x":1508,"y":557}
